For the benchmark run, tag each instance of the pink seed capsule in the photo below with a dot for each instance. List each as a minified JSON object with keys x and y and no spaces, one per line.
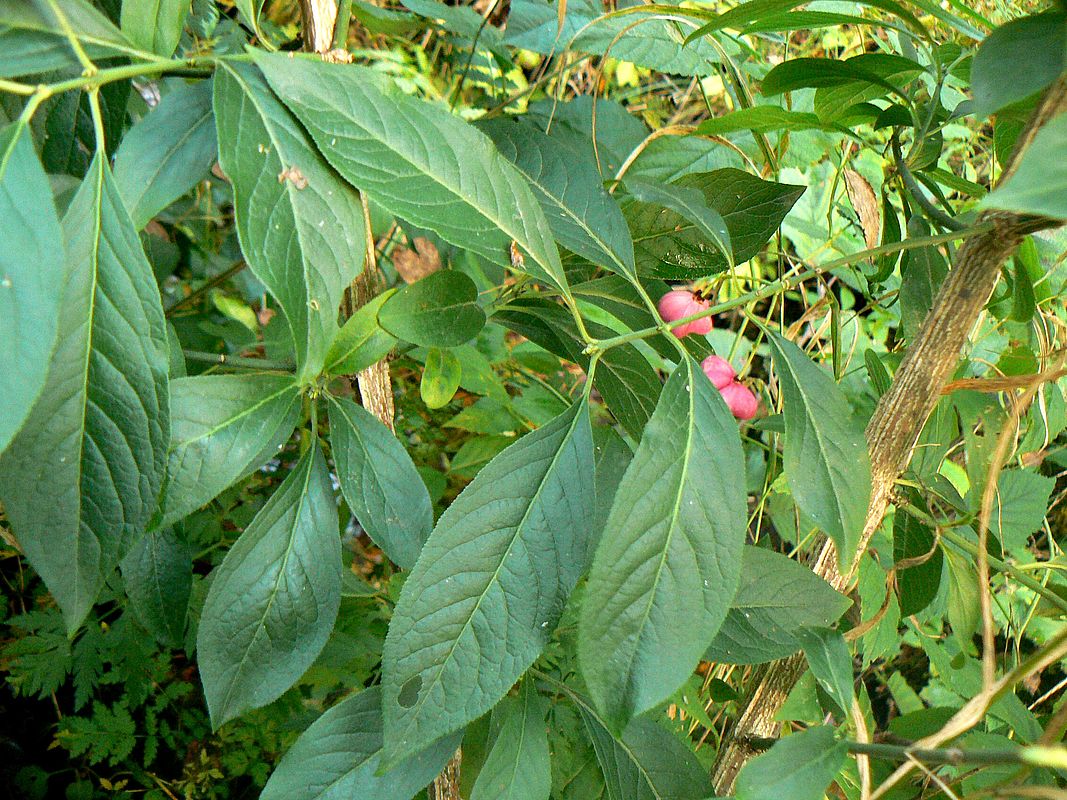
{"x":740,"y":400}
{"x":679,"y":303}
{"x":719,"y":371}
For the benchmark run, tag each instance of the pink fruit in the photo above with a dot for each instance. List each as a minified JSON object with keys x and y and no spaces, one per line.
{"x":740,"y":400}
{"x":718,"y":371}
{"x":679,"y":303}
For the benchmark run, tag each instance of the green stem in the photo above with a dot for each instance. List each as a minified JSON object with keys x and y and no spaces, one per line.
{"x":72,"y":38}
{"x":224,"y":360}
{"x":942,"y":755}
{"x":791,"y":282}
{"x":219,"y":279}
{"x":344,"y":19}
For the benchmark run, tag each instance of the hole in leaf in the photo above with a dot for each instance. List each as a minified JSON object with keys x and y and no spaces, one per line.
{"x":409,"y":692}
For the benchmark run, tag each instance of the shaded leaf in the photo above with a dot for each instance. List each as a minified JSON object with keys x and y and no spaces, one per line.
{"x":690,"y":205}
{"x":800,"y":767}
{"x":518,"y":766}
{"x":441,"y":310}
{"x":1018,"y":59}
{"x":830,"y":663}
{"x":1039,"y":185}
{"x":441,"y":376}
{"x":158,"y":573}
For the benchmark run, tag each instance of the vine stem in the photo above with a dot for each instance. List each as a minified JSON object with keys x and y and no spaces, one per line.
{"x":790,"y":282}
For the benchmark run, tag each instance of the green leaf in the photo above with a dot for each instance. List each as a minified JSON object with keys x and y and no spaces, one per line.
{"x":1017,"y":60}
{"x":748,"y":16}
{"x":31,"y":272}
{"x":1019,"y":506}
{"x":917,"y":585}
{"x":760,"y":119}
{"x":338,"y":756}
{"x":490,"y":584}
{"x":441,"y":310}
{"x":109,"y":735}
{"x":776,"y":597}
{"x":830,"y":663}
{"x":1039,"y":185}
{"x":825,"y":456}
{"x":301,"y":227}
{"x":646,"y":763}
{"x":379,"y":482}
{"x":274,"y":598}
{"x":661,"y":583}
{"x":418,"y":161}
{"x":154,"y":25}
{"x":81,"y":479}
{"x":670,"y":247}
{"x":69,"y":133}
{"x":690,"y":204}
{"x":158,"y":573}
{"x":361,"y":341}
{"x":222,"y":426}
{"x":612,"y":456}
{"x":37,"y":21}
{"x":582,"y":215}
{"x":655,"y":43}
{"x":888,"y":71}
{"x":518,"y":766}
{"x":800,"y":767}
{"x":922,"y":271}
{"x":964,"y":611}
{"x":440,"y":378}
{"x":168,"y":152}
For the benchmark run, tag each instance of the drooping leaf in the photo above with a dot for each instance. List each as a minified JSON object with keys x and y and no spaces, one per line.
{"x":165,"y":154}
{"x":623,"y":376}
{"x":380,"y":482}
{"x":884,"y":70}
{"x":31,"y":272}
{"x":582,"y":215}
{"x":274,"y":598}
{"x":646,"y":762}
{"x":670,"y":247}
{"x":830,"y":663}
{"x":1039,"y":185}
{"x":361,"y":340}
{"x":37,"y":22}
{"x":918,"y":584}
{"x":799,"y":767}
{"x":441,"y":310}
{"x":154,"y":25}
{"x":690,"y":204}
{"x":775,"y":598}
{"x":417,"y":161}
{"x":661,"y":583}
{"x":760,"y":119}
{"x":301,"y":227}
{"x":825,"y":456}
{"x":337,"y":758}
{"x":158,"y":574}
{"x":1018,"y":59}
{"x":518,"y":766}
{"x":440,"y":377}
{"x":220,"y":426}
{"x":490,"y":584}
{"x":81,"y":479}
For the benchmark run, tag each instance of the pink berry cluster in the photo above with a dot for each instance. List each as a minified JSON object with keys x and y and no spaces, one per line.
{"x":679,"y":303}
{"x":739,"y":398}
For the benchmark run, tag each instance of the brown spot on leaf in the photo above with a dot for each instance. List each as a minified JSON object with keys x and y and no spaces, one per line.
{"x":294,"y":176}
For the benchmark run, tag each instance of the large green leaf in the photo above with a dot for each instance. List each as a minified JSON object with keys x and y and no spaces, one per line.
{"x":646,"y":763}
{"x":917,"y":585}
{"x":670,"y":247}
{"x":1039,"y":185}
{"x":81,"y":479}
{"x":655,"y":43}
{"x":583,"y":216}
{"x":518,"y":766}
{"x":165,"y":154}
{"x":690,"y":204}
{"x":825,"y":456}
{"x":799,"y":767}
{"x":31,"y":273}
{"x":154,"y":25}
{"x":379,"y":482}
{"x":220,"y":426}
{"x":1017,"y":60}
{"x":337,"y":758}
{"x":274,"y":598}
{"x":37,"y":20}
{"x":158,"y":574}
{"x":890,"y":72}
{"x":490,"y":584}
{"x":776,"y":596}
{"x":417,"y":160}
{"x":301,"y":227}
{"x":441,"y":310}
{"x":663,"y":577}
{"x":831,"y":664}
